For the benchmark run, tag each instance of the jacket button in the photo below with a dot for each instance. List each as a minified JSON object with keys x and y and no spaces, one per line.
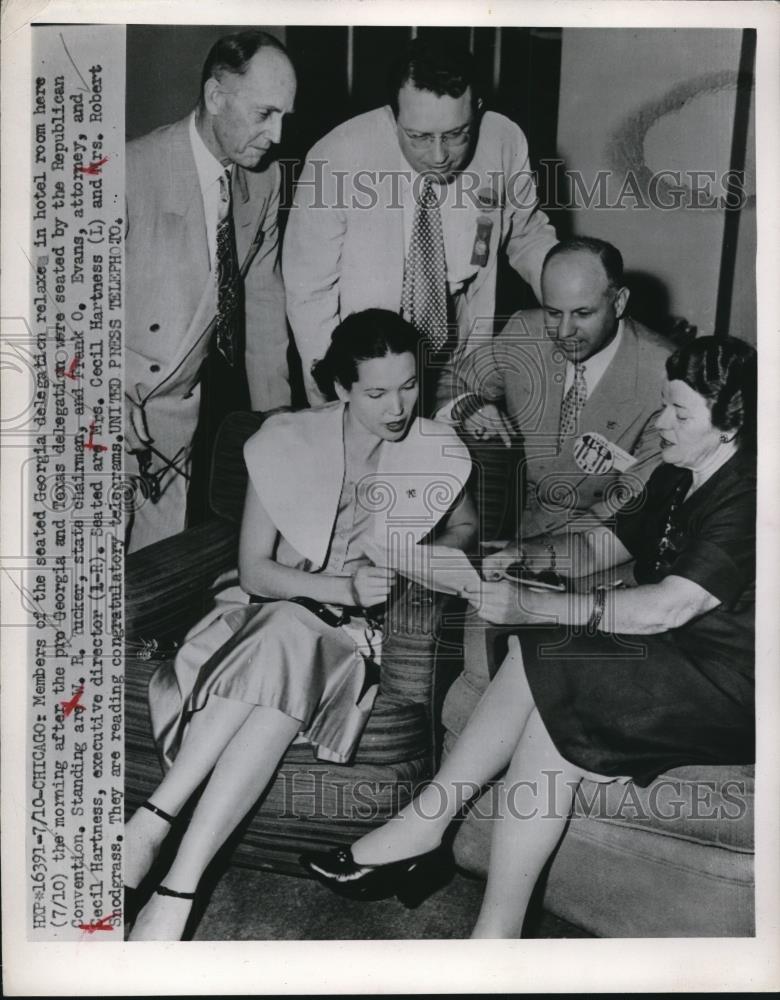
{"x":154,"y":327}
{"x":154,"y":368}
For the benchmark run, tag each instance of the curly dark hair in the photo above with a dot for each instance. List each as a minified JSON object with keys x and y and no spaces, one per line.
{"x":372,"y":333}
{"x":432,"y":64}
{"x":232,"y":53}
{"x":723,"y":371}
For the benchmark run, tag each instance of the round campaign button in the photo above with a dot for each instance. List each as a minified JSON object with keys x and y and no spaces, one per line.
{"x":593,"y":454}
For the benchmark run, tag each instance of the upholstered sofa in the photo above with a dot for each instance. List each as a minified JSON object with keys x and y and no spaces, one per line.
{"x":674,"y":859}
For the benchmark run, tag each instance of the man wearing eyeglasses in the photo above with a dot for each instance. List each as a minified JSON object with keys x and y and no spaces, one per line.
{"x":407,"y":207}
{"x":202,"y":269}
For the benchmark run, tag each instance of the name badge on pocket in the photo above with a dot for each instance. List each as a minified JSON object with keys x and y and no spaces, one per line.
{"x":597,"y":456}
{"x":481,"y":248}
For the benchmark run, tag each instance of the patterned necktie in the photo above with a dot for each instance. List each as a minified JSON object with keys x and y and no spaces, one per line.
{"x":424,"y":296}
{"x":572,"y":404}
{"x":229,"y":283}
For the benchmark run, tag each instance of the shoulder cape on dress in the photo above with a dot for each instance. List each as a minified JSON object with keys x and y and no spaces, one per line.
{"x":296,"y":465}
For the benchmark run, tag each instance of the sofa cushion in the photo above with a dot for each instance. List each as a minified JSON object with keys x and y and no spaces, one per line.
{"x":708,"y":806}
{"x":228,"y":479}
{"x":620,"y":882}
{"x":168,"y":584}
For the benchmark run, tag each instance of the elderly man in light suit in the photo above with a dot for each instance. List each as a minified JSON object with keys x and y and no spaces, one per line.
{"x":352,"y":238}
{"x":202,"y":266}
{"x":574,"y":386}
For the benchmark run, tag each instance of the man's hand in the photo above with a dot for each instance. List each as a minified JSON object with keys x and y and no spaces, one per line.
{"x":137,"y":436}
{"x":488,"y":423}
{"x":371,"y":585}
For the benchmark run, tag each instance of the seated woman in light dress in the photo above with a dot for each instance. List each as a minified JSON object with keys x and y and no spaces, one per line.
{"x":290,"y":651}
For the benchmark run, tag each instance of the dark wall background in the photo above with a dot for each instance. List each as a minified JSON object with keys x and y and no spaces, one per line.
{"x":163,"y":70}
{"x":342,"y":72}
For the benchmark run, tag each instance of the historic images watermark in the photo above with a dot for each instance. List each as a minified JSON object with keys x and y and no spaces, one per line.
{"x":667,"y":189}
{"x":318,"y":792}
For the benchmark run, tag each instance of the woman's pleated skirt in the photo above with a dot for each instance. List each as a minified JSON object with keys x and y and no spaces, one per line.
{"x":277,"y":655}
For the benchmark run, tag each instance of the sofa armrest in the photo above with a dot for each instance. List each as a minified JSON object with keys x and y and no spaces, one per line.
{"x":412,"y":628}
{"x":168,"y":584}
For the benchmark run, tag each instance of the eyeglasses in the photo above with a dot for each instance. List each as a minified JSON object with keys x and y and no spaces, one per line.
{"x":425,"y":140}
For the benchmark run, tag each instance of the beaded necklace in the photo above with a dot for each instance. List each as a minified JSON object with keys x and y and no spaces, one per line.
{"x":671,"y":527}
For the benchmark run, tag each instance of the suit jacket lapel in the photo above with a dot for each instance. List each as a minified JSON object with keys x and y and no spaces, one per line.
{"x":553,"y":373}
{"x":555,"y":370}
{"x":245,"y":214}
{"x":183,"y":198}
{"x":485,"y":202}
{"x":391,"y":222}
{"x":617,"y":389}
{"x":182,"y":205}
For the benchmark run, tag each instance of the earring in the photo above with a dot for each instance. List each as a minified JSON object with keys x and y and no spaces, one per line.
{"x":725,"y":438}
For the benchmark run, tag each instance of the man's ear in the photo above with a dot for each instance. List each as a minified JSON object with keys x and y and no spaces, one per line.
{"x":341,"y":392}
{"x":212,"y":96}
{"x":621,"y":301}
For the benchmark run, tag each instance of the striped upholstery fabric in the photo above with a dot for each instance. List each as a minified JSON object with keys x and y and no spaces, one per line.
{"x":227,"y":483}
{"x":495,"y":485}
{"x":167,"y":585}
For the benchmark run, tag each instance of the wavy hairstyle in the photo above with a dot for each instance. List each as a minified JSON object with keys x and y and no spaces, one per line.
{"x":372,"y":333}
{"x":723,"y":371}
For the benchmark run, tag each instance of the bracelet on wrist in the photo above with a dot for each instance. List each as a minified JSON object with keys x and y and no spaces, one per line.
{"x":597,"y":610}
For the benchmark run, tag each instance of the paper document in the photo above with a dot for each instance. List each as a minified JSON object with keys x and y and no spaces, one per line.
{"x":436,"y":567}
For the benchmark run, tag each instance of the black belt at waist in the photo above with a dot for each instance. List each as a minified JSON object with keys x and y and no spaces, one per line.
{"x":372,"y":615}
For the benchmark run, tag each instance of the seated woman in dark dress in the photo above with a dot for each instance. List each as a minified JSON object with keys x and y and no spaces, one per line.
{"x":608,"y":684}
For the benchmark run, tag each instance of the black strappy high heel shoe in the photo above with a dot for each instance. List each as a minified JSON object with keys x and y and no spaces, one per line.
{"x":163,"y":890}
{"x":411,"y":880}
{"x":135,"y":897}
